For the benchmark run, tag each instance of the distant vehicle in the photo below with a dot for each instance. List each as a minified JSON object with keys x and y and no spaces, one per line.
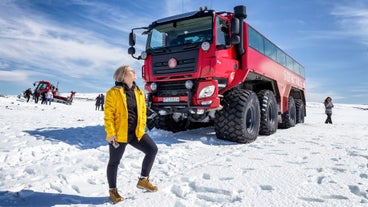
{"x":207,"y":66}
{"x":44,"y":86}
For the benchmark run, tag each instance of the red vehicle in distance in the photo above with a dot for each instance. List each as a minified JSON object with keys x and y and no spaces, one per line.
{"x":42,"y":87}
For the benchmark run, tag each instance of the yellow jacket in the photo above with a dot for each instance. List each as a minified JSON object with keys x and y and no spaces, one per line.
{"x":116,"y":114}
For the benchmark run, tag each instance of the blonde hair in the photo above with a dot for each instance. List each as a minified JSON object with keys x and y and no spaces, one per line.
{"x":120,"y":73}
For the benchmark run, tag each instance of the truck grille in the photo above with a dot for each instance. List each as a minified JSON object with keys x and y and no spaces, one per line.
{"x":186,"y":63}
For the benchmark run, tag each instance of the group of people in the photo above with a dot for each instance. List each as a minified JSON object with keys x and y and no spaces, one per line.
{"x":46,"y":97}
{"x":100,"y":101}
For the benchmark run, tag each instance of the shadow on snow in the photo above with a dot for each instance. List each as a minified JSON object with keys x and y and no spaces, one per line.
{"x":41,"y":199}
{"x":205,"y":135}
{"x":90,"y":137}
{"x":82,"y":137}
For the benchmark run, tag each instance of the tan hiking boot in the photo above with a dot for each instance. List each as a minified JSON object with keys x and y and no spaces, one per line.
{"x":114,"y":196}
{"x":144,"y":183}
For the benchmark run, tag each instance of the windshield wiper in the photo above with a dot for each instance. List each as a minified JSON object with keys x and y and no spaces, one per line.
{"x":190,"y":45}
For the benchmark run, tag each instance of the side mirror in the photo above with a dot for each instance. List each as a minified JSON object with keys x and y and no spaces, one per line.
{"x":235,"y":40}
{"x":131,"y":51}
{"x":131,"y":39}
{"x":235,"y":26}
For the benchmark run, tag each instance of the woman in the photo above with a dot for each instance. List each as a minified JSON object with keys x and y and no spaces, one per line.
{"x":49,"y":97}
{"x":328,"y":106}
{"x":125,"y":123}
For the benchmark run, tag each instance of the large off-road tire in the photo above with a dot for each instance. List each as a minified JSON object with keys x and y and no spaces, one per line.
{"x":168,"y":123}
{"x":269,"y":112}
{"x":160,"y":122}
{"x":300,"y":111}
{"x":239,"y":120}
{"x":289,"y":117}
{"x":150,"y":121}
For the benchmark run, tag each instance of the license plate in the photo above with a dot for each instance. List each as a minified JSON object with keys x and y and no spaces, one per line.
{"x":171,"y":99}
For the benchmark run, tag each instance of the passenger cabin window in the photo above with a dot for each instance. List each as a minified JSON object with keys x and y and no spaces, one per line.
{"x":255,"y":40}
{"x":267,"y":48}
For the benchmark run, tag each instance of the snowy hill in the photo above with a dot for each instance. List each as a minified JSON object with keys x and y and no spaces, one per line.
{"x":56,"y":155}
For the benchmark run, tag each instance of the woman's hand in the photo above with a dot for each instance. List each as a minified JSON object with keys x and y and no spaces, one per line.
{"x":111,"y":139}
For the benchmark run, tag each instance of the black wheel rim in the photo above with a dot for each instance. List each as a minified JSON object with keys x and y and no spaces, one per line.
{"x":250,"y":120}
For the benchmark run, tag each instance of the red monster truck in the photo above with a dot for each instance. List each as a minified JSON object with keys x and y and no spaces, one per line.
{"x":208,"y":67}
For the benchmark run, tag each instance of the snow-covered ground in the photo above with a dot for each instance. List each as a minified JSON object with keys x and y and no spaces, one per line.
{"x":56,"y":155}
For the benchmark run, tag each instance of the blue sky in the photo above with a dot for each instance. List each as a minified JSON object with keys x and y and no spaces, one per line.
{"x":80,"y":43}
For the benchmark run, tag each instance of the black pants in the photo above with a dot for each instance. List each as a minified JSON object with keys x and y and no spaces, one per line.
{"x":328,"y":120}
{"x":146,"y":145}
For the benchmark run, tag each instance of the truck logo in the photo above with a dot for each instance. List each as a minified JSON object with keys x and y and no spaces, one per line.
{"x":172,"y":63}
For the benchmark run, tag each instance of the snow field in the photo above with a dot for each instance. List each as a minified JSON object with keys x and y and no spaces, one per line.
{"x":56,"y":156}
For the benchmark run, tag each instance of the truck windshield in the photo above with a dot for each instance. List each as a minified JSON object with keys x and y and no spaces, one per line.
{"x":181,"y":32}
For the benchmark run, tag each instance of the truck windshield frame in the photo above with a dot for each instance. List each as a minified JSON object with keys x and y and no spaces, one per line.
{"x":181,"y":32}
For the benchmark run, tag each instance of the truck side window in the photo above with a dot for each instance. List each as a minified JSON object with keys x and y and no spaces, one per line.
{"x":158,"y":39}
{"x":222,"y":33}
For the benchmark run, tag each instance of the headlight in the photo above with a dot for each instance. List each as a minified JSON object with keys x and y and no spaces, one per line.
{"x":143,"y":55}
{"x":153,"y":86}
{"x":189,"y":84}
{"x":207,"y":92}
{"x":205,"y":46}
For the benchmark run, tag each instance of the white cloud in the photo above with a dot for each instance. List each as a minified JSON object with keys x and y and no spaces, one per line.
{"x":36,"y":41}
{"x":353,"y":19}
{"x":16,"y":75}
{"x":119,"y":19}
{"x":316,"y":93}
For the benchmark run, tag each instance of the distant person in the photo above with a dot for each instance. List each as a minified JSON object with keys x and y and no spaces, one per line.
{"x":102,"y":101}
{"x":125,"y":123}
{"x":98,"y":102}
{"x":328,"y":109}
{"x":36,"y":95}
{"x":57,"y":93}
{"x":28,"y":94}
{"x":49,"y":97}
{"x":43,"y":97}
